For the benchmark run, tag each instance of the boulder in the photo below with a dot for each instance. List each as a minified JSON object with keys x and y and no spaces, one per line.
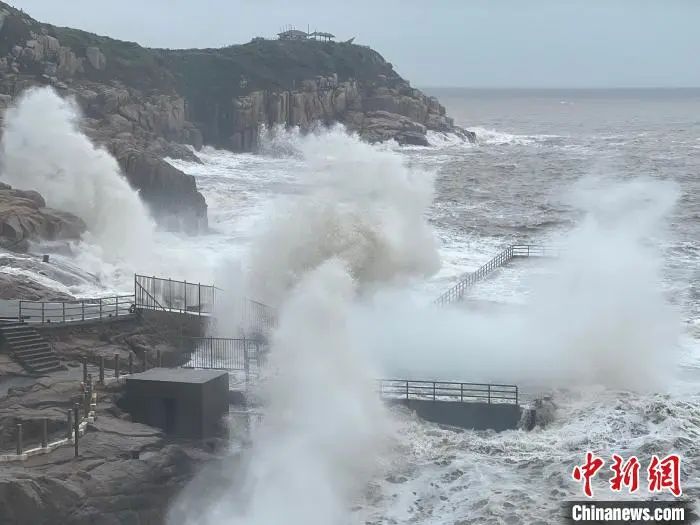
{"x":379,"y":126}
{"x":24,"y":216}
{"x":171,"y":195}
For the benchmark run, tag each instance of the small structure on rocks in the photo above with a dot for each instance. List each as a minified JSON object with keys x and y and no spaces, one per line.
{"x":183,"y":402}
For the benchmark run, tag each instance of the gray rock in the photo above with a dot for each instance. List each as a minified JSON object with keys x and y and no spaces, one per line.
{"x":96,"y":58}
{"x":379,"y":126}
{"x":24,"y":216}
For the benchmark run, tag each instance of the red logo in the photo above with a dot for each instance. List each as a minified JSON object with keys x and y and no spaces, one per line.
{"x":587,"y":471}
{"x":626,"y":473}
{"x":664,"y":474}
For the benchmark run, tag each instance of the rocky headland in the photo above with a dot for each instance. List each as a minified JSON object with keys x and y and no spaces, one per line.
{"x":145,"y":105}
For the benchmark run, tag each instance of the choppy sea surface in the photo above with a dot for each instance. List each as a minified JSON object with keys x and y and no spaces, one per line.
{"x":513,"y":186}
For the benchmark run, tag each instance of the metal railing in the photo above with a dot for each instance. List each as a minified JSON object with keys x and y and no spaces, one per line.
{"x":456,"y":293}
{"x":44,"y":312}
{"x":258,"y":318}
{"x":222,"y":353}
{"x":448,"y":391}
{"x":156,"y":293}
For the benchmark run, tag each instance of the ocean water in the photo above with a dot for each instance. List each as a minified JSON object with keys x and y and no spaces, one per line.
{"x":612,"y":333}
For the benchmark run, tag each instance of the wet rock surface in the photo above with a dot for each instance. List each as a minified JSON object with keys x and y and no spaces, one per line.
{"x":127,"y":473}
{"x":25,"y":217}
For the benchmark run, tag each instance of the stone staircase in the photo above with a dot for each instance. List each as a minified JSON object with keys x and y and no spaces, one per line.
{"x":29,"y":348}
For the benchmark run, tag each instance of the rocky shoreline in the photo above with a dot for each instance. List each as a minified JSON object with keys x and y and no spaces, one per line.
{"x":144,"y":105}
{"x":127,"y":472}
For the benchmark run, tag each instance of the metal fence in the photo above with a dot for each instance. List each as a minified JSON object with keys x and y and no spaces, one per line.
{"x":456,"y":293}
{"x":43,"y":312}
{"x":534,"y":250}
{"x":258,"y":318}
{"x":222,"y":353}
{"x":448,"y":391}
{"x":157,"y":293}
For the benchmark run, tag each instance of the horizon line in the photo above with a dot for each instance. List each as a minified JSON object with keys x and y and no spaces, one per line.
{"x":560,"y":88}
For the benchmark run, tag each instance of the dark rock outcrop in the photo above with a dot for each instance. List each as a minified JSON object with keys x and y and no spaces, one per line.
{"x":147,"y":104}
{"x":24,"y":217}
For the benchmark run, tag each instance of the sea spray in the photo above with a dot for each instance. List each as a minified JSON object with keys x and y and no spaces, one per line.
{"x":358,"y":227}
{"x":360,"y":203}
{"x":598,"y":317}
{"x":43,"y":149}
{"x":324,"y":426}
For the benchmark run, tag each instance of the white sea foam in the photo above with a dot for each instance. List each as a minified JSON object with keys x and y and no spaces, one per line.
{"x":594,"y":318}
{"x":501,"y":138}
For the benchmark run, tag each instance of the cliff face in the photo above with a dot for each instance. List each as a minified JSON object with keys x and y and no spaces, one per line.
{"x":146,"y":104}
{"x":231,"y":91}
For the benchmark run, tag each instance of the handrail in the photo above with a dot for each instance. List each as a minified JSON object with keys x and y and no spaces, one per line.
{"x":456,"y":292}
{"x":490,"y":393}
{"x":175,"y":296}
{"x":138,"y":286}
{"x":223,"y":353}
{"x":46,"y":312}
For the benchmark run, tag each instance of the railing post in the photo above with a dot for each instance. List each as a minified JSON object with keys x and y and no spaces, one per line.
{"x":20,"y":445}
{"x":406,"y":390}
{"x":185,"y":286}
{"x":86,"y":402}
{"x":100,"y":308}
{"x":76,"y":427}
{"x":246,"y":366}
{"x":199,"y":298}
{"x":70,"y":424}
{"x":516,"y":395}
{"x":170,"y":293}
{"x":489,"y":394}
{"x":433,"y":390}
{"x":82,"y":305}
{"x":20,"y":311}
{"x":116,"y":305}
{"x":102,"y":370}
{"x":45,"y":432}
{"x":211,"y":352}
{"x":461,"y":392}
{"x":116,"y":366}
{"x":42,"y":312}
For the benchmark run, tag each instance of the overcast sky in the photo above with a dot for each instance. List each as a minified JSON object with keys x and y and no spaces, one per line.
{"x":476,"y":43}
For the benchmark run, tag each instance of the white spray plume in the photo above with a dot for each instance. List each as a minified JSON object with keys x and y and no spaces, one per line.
{"x":599,"y":317}
{"x":324,"y":424}
{"x":43,"y":149}
{"x":362,"y":204}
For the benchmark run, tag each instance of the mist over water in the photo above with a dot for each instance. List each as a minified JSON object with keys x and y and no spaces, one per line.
{"x":359,"y":203}
{"x":597,"y":316}
{"x":43,"y":149}
{"x":324,"y":426}
{"x":357,"y":224}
